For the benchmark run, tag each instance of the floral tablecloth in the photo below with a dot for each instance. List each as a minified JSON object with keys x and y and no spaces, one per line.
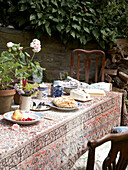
{"x":58,"y":143}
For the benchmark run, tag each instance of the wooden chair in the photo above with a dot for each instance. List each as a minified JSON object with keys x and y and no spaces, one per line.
{"x":119,"y":144}
{"x":87,"y":63}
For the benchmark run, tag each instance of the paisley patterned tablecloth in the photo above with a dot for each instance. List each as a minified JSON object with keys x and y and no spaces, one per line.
{"x":58,"y":143}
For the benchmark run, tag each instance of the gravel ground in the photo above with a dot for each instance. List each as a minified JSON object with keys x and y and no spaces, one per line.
{"x":101,"y":154}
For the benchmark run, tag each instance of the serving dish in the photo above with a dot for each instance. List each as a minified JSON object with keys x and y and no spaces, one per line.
{"x":68,"y":88}
{"x":26,"y":114}
{"x":51,"y":104}
{"x":84,"y":100}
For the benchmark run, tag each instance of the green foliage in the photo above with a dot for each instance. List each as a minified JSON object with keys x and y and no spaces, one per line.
{"x":83,"y":21}
{"x":16,"y":63}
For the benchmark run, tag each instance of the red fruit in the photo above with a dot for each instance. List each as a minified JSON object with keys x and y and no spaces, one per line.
{"x":27,"y":119}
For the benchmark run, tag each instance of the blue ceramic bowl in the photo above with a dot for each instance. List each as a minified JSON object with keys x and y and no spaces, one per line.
{"x":67,"y":89}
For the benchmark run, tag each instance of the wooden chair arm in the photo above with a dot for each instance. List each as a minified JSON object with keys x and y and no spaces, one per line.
{"x":110,"y":137}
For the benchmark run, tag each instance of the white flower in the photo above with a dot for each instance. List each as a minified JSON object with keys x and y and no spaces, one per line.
{"x":36,"y":50}
{"x":36,"y":45}
{"x":20,"y":48}
{"x":10,"y":44}
{"x":15,"y":127}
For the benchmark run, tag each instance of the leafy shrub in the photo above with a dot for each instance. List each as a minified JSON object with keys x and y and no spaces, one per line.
{"x":80,"y":20}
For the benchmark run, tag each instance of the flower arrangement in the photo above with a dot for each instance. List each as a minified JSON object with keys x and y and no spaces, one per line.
{"x":26,"y":89}
{"x":16,"y":63}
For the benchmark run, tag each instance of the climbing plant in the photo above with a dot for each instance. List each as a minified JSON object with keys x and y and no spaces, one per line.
{"x":79,"y":20}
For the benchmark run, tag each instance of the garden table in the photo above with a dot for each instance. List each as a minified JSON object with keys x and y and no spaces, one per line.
{"x":58,"y":143}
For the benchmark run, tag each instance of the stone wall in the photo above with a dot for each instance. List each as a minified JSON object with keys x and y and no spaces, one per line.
{"x":54,"y":56}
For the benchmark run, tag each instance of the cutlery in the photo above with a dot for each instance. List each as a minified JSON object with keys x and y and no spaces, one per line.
{"x":48,"y":118}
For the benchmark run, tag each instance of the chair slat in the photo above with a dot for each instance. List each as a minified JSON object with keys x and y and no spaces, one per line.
{"x":78,"y":66}
{"x":96,"y":71}
{"x":87,"y":63}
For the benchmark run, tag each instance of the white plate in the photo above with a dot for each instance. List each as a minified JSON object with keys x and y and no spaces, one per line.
{"x":65,"y":108}
{"x":86,"y":100}
{"x":26,"y":114}
{"x":43,"y":108}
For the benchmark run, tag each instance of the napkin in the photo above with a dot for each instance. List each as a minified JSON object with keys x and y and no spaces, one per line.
{"x":100,"y":85}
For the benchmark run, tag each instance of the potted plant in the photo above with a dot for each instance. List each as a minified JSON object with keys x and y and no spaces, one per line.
{"x":26,"y":90}
{"x":16,"y":63}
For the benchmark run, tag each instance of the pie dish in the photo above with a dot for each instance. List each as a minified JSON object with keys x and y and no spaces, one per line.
{"x":65,"y":102}
{"x":51,"y":104}
{"x":26,"y":114}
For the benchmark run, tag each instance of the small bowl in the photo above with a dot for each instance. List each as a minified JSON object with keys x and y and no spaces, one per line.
{"x":67,"y":89}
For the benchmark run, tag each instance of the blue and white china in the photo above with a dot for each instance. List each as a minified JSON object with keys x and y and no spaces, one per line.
{"x":57,"y":91}
{"x":43,"y":91}
{"x":57,"y":88}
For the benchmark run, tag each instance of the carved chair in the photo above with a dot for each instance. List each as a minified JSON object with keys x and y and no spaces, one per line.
{"x":87,"y":63}
{"x":119,"y":145}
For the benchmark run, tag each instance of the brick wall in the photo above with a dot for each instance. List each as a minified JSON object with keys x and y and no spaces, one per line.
{"x":54,"y":56}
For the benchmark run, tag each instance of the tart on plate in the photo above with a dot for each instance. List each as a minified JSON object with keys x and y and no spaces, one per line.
{"x":65,"y":101}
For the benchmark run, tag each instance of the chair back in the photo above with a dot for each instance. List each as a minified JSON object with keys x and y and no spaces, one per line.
{"x":87,"y":63}
{"x":118,"y":155}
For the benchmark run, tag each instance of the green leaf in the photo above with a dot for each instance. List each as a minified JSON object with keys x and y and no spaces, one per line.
{"x":103,"y":32}
{"x":92,"y":10}
{"x":68,"y":28}
{"x":95,"y":33}
{"x":14,"y":48}
{"x":73,"y":34}
{"x":60,"y":27}
{"x":32,"y":17}
{"x":86,"y":30}
{"x":74,"y":18}
{"x":39,"y":15}
{"x":54,"y":2}
{"x":48,"y":29}
{"x":75,"y":26}
{"x":77,"y":35}
{"x":83,"y":40}
{"x":54,"y":10}
{"x":28,"y":55}
{"x":88,"y":14}
{"x":102,"y":44}
{"x":55,"y":19}
{"x":23,"y":8}
{"x":40,"y":23}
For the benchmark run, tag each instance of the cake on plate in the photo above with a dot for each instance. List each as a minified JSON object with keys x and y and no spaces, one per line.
{"x":79,"y":94}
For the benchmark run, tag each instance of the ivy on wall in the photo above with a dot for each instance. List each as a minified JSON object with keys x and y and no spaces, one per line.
{"x":69,"y":20}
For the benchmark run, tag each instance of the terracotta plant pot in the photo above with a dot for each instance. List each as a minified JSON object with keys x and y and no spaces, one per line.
{"x":6,"y":97}
{"x":17,"y":98}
